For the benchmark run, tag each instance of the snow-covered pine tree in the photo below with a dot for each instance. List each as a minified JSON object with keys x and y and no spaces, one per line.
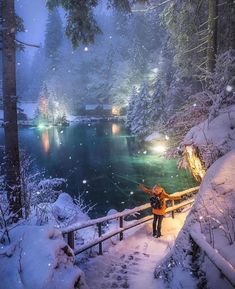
{"x":53,"y":38}
{"x":42,"y":112}
{"x":131,"y":108}
{"x":140,"y":122}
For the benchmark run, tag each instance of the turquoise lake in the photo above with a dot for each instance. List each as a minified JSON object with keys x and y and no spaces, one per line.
{"x":103,"y":162}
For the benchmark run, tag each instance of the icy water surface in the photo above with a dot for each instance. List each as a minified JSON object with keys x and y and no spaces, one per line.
{"x":102,"y":161}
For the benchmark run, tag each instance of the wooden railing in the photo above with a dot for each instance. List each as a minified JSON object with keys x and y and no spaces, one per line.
{"x":226,"y":270}
{"x":69,"y":231}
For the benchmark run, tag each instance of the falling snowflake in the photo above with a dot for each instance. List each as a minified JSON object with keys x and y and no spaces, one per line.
{"x":229,"y":88}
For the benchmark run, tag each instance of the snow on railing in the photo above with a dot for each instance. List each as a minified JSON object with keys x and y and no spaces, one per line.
{"x":69,"y":230}
{"x":224,"y":267}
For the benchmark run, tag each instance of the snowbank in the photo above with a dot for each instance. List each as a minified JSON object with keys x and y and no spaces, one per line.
{"x":38,"y":258}
{"x":214,"y":212}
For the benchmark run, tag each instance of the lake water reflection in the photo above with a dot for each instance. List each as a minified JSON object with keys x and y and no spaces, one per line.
{"x":102,"y":161}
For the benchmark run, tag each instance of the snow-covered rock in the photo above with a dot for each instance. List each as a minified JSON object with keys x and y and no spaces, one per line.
{"x":62,"y":212}
{"x":66,"y":210}
{"x":214,"y":212}
{"x":38,"y":258}
{"x":213,"y":138}
{"x":154,"y":136}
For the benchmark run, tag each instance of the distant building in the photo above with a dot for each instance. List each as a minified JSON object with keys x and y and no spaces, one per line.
{"x":101,"y":110}
{"x":91,"y":107}
{"x":107,"y":107}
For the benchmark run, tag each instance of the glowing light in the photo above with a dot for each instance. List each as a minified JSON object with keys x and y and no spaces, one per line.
{"x":115,"y":110}
{"x":86,"y":49}
{"x":195,"y":163}
{"x":166,"y":137}
{"x":41,"y":126}
{"x":155,"y":70}
{"x":84,"y":181}
{"x":200,"y":218}
{"x":159,"y":148}
{"x":194,"y":104}
{"x":229,"y":88}
{"x":145,"y":152}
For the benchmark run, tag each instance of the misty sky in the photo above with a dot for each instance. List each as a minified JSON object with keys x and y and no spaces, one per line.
{"x":34,"y":14}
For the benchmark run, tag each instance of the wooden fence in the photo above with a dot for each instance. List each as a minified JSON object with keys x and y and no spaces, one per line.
{"x":70,"y":230}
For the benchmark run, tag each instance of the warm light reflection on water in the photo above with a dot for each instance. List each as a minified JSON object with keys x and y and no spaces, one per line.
{"x":45,"y":141}
{"x":115,"y":128}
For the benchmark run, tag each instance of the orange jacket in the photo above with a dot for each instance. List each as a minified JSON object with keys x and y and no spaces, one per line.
{"x":162,"y":195}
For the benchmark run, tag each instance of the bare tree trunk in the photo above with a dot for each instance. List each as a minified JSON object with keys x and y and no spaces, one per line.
{"x":12,"y":163}
{"x":212,"y":34}
{"x":231,"y":4}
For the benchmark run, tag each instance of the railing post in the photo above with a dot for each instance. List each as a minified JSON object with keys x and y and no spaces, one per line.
{"x":71,"y":239}
{"x":173,"y":212}
{"x":121,"y":226}
{"x":100,"y":235}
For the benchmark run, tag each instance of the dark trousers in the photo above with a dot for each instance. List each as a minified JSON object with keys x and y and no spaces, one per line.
{"x":157,"y":224}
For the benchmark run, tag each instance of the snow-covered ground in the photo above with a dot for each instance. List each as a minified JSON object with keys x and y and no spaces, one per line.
{"x":214,"y":212}
{"x":131,"y":262}
{"x":38,"y":256}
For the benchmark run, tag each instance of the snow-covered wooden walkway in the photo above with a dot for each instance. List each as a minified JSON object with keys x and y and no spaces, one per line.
{"x":131,"y":263}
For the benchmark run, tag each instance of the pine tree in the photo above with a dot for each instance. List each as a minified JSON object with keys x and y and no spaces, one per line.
{"x":53,"y":38}
{"x":131,"y":108}
{"x":140,"y":121}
